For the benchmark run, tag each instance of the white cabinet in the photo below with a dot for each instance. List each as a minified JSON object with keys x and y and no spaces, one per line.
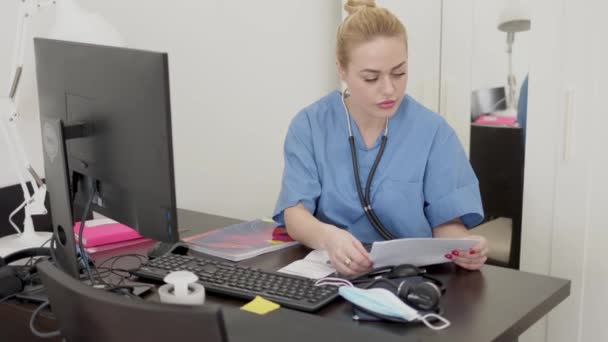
{"x":439,"y":41}
{"x":456,"y":67}
{"x":422,"y":20}
{"x":440,"y":35}
{"x":564,"y":226}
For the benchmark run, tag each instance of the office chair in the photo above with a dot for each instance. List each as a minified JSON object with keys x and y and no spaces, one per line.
{"x":85,"y":313}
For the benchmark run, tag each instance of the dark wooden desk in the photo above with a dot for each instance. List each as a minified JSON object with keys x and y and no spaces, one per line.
{"x":494,"y":304}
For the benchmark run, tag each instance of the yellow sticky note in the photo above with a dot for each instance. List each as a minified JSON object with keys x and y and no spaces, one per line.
{"x":260,"y":306}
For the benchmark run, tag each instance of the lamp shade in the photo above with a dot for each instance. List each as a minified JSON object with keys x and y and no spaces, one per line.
{"x":514,"y":18}
{"x":73,"y":23}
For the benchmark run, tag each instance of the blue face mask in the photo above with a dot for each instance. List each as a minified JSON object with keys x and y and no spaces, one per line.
{"x":385,"y":303}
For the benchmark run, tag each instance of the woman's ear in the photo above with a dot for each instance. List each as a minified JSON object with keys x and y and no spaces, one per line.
{"x":341,"y":72}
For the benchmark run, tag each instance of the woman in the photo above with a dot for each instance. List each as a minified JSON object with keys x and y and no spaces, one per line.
{"x":422,"y":185}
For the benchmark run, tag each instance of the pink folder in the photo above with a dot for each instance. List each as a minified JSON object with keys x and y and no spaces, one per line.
{"x":496,"y":120}
{"x":105,"y":234}
{"x":118,"y":245}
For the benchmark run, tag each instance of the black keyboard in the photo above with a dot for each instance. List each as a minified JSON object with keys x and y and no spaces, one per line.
{"x":243,"y":282}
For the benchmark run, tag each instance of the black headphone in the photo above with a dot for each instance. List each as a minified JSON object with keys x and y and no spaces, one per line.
{"x":422,"y":294}
{"x":14,"y":278}
{"x":410,"y":283}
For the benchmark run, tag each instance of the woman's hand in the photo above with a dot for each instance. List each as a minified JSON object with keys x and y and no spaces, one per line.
{"x":474,"y":258}
{"x":347,"y":254}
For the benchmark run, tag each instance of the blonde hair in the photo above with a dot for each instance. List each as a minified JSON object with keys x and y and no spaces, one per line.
{"x":364,"y":23}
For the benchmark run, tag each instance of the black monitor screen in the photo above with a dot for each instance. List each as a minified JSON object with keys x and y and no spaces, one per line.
{"x":114,"y":109}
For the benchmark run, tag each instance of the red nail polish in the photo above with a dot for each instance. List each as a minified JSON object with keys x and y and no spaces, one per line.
{"x":471,"y":252}
{"x":455,"y":252}
{"x":449,"y":256}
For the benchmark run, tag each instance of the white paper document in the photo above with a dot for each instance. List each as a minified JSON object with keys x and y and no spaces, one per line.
{"x":315,"y":265}
{"x":417,"y":251}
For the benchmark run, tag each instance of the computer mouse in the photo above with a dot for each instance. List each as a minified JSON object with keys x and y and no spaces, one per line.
{"x":404,"y":270}
{"x":163,"y":248}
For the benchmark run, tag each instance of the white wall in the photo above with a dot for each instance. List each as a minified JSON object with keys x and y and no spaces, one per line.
{"x":28,"y":123}
{"x":239,"y":71}
{"x":8,"y":20}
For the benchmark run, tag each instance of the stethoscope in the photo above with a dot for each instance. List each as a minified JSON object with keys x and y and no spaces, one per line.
{"x":364,"y":199}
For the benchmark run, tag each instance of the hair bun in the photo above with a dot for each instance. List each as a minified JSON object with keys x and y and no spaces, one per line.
{"x":353,"y":6}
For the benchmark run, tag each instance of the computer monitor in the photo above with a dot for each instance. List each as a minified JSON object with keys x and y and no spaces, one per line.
{"x":106,"y":130}
{"x":487,"y":101}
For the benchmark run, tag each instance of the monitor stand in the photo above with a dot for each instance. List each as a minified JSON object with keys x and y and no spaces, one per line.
{"x":56,"y":168}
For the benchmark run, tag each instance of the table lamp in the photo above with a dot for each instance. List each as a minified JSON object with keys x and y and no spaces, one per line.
{"x":72,"y":23}
{"x":514,"y":18}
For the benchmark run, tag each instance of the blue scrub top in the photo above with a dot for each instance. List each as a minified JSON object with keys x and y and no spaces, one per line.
{"x":424,"y":178}
{"x":522,"y":107}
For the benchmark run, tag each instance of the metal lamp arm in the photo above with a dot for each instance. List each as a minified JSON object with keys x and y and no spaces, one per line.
{"x":511,"y":82}
{"x":34,"y":202}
